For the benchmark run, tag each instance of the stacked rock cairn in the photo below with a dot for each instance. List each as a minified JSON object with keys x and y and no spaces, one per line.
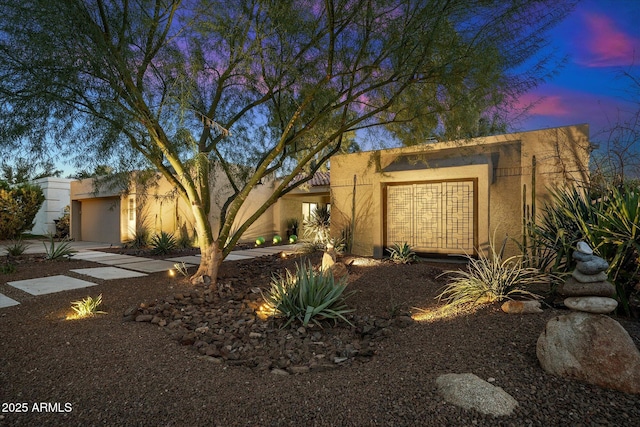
{"x":587,"y":289}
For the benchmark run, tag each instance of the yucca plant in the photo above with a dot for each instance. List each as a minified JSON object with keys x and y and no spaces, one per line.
{"x":62,"y":250}
{"x":402,"y":253}
{"x":163,"y":243}
{"x":317,"y":226}
{"x":307,"y":296}
{"x":87,"y":307}
{"x":490,"y":278}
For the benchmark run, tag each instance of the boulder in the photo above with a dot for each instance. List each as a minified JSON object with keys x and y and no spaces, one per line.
{"x":590,"y":348}
{"x":593,"y":266}
{"x":471,"y":392}
{"x":589,"y":278}
{"x":597,"y":305}
{"x":575,"y":288}
{"x":522,"y":307}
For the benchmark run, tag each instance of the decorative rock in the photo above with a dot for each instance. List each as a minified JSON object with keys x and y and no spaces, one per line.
{"x":579,"y":256}
{"x":144,"y":318}
{"x":597,"y":305}
{"x":591,"y":348}
{"x":584,"y":248}
{"x":328,"y":259}
{"x":593,"y":266}
{"x":278,"y":371}
{"x":298,"y":369}
{"x":574,"y":288}
{"x":471,"y":392}
{"x":589,"y":278}
{"x":522,"y":307}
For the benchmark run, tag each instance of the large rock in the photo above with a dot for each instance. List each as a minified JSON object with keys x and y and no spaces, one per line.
{"x":575,"y":288}
{"x":597,"y":305}
{"x":471,"y":392}
{"x":590,"y":348}
{"x":589,"y":278}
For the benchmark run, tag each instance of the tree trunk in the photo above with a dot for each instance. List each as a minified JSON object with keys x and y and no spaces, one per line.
{"x":210,"y":260}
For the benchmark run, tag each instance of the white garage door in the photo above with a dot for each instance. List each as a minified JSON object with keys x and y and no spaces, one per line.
{"x":433,"y":217}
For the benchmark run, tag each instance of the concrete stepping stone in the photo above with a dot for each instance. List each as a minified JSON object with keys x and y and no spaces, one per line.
{"x":50,"y":284}
{"x":237,"y":257}
{"x":154,"y":266}
{"x":5,"y":301}
{"x":119,"y":259}
{"x":91,"y":255}
{"x":108,"y":273}
{"x":194,"y":259}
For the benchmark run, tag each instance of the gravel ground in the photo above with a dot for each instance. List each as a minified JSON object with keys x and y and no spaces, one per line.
{"x":112,"y":371}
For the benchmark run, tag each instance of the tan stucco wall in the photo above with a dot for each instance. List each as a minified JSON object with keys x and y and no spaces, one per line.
{"x":159,"y":208}
{"x":501,"y":164}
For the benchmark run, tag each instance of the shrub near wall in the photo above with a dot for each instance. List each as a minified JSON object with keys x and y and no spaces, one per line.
{"x":18,"y":208}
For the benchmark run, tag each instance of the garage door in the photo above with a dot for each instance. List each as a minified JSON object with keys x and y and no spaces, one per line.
{"x":100,"y":220}
{"x":433,"y":217}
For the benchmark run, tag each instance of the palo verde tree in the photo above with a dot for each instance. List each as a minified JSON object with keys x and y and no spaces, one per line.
{"x":243,"y":89}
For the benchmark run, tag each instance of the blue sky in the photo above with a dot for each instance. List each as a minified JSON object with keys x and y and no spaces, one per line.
{"x":601,"y":39}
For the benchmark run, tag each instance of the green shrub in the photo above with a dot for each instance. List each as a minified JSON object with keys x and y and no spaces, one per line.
{"x":490,"y":278}
{"x":18,"y":208}
{"x":61,"y":250}
{"x":163,"y":243}
{"x":63,"y":224}
{"x":401,"y":254}
{"x":8,"y":268}
{"x":307,"y":296}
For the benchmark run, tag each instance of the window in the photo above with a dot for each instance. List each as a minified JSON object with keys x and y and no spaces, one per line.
{"x":132,"y":210}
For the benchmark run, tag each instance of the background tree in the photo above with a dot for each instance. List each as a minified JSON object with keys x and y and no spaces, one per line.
{"x":248,"y":87}
{"x":23,"y":170}
{"x":618,"y":158}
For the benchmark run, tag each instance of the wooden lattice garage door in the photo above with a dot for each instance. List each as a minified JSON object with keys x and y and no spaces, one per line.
{"x":433,"y":217}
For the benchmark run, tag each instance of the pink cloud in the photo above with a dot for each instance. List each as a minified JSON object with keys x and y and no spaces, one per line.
{"x":605,"y":45}
{"x":545,"y":105}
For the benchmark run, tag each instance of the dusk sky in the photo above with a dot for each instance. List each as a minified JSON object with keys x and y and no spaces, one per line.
{"x":602,"y":40}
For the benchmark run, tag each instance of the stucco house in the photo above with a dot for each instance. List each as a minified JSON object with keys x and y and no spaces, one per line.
{"x":115,"y":215}
{"x":448,"y":198}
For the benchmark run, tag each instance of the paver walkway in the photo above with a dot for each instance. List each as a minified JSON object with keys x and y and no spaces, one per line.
{"x":121,"y":267}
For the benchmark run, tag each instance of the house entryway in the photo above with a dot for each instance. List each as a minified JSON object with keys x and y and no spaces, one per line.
{"x":438,"y":217}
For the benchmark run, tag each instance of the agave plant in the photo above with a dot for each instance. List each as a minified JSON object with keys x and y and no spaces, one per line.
{"x":307,"y":296}
{"x":17,"y":247}
{"x":163,"y":243}
{"x":401,"y":253}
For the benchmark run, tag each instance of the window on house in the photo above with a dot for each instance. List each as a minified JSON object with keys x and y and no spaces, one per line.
{"x":307,"y":209}
{"x":131,"y":210}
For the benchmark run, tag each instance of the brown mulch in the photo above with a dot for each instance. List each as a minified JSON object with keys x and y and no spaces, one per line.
{"x":112,"y":371}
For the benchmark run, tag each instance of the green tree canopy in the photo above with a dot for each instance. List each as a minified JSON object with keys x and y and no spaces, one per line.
{"x":250,"y":87}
